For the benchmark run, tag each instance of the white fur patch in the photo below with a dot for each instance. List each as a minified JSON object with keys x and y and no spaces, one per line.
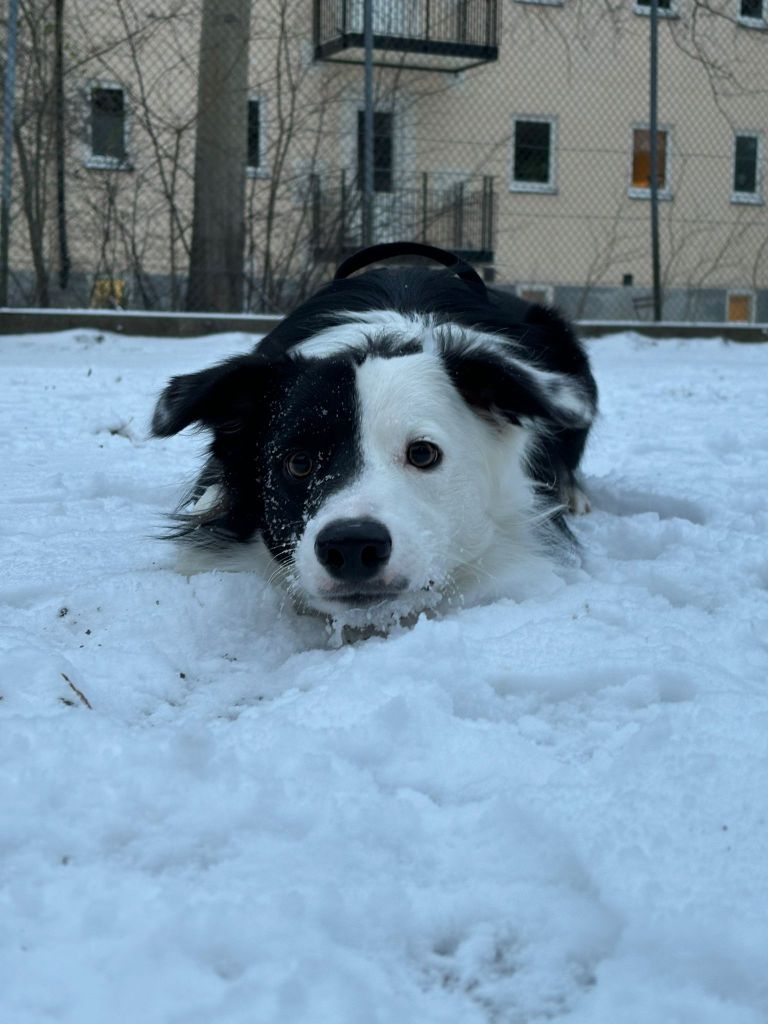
{"x":210,"y":497}
{"x":363,"y":332}
{"x":356,"y":331}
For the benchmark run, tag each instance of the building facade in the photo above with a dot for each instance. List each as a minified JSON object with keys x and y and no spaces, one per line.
{"x":514,"y":131}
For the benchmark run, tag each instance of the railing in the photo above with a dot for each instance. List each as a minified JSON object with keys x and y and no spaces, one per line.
{"x":456,"y":215}
{"x":439,"y":26}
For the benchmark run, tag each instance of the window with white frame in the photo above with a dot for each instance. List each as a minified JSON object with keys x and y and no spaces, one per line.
{"x":752,"y":13}
{"x":746,"y":185}
{"x":533,"y":155}
{"x":667,"y":8}
{"x":256,"y":164}
{"x":640,"y":175}
{"x":107,"y":127}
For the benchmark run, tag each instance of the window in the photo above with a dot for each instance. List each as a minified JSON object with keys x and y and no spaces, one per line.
{"x":752,"y":13}
{"x":533,"y":164}
{"x":383,"y":150}
{"x":108,"y":293}
{"x":540,"y":293}
{"x":256,"y":166}
{"x":740,"y":307}
{"x":667,"y":8}
{"x":400,"y":18}
{"x":746,"y":169}
{"x":460,"y":21}
{"x":107,"y":127}
{"x":640,"y":186}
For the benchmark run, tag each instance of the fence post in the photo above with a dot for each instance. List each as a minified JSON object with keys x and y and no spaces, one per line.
{"x":61,"y":183}
{"x":654,"y":119}
{"x":9,"y":112}
{"x":368,"y":125}
{"x":342,"y":227}
{"x":487,"y":214}
{"x":424,"y":204}
{"x":458,"y":215}
{"x":314,"y":194}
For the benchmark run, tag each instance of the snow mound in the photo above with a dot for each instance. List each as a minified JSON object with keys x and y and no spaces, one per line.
{"x":551,"y":808}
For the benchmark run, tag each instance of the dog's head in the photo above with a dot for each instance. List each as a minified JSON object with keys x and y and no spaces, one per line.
{"x":380,"y":460}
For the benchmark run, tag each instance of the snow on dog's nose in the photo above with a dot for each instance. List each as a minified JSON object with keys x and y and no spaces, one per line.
{"x":353,"y":550}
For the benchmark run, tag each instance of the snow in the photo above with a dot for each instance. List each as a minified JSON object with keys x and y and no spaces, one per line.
{"x":550,"y":808}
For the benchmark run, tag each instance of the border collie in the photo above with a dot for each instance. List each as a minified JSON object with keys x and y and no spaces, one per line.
{"x":399,"y":441}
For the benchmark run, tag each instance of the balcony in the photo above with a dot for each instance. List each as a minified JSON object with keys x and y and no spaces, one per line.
{"x":428,"y":35}
{"x":456,"y":215}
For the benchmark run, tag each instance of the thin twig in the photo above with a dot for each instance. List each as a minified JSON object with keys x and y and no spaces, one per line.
{"x":79,"y":693}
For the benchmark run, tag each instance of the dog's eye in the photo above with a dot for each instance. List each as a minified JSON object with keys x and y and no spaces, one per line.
{"x":423,"y":454}
{"x":299,"y":465}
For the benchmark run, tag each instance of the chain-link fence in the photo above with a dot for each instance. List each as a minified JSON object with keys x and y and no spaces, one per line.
{"x":207,"y":154}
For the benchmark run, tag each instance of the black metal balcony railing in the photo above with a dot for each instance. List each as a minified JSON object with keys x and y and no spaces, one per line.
{"x":457,"y":216}
{"x":438,"y":35}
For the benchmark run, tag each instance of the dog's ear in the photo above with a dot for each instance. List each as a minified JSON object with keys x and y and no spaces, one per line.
{"x":502,"y":387}
{"x":214,"y":397}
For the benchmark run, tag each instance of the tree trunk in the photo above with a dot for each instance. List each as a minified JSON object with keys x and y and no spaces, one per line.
{"x":218,"y":225}
{"x":33,"y":193}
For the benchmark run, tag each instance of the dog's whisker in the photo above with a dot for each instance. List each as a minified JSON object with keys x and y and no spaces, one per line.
{"x":279,"y":573}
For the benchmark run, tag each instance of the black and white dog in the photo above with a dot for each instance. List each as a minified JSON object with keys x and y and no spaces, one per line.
{"x":402,"y":438}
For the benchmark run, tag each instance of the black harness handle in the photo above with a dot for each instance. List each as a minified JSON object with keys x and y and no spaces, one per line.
{"x":388,"y":250}
{"x":273,"y":348}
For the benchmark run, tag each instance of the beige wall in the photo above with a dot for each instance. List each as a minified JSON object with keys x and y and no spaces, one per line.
{"x":569,"y":61}
{"x":572,"y":63}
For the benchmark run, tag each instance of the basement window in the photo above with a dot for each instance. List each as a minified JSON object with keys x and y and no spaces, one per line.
{"x":740,"y":308}
{"x":542,"y":294}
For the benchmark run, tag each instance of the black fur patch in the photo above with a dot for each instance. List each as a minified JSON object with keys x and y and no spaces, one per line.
{"x":318,"y":414}
{"x":260,"y":414}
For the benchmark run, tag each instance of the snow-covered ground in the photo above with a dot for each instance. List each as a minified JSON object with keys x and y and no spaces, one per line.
{"x":551,"y":808}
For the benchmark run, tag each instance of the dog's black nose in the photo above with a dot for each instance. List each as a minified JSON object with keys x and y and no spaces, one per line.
{"x":353,"y":549}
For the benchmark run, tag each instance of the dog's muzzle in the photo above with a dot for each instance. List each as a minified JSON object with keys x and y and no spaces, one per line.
{"x":355,"y":553}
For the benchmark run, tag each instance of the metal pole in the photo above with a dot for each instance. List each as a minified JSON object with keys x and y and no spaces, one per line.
{"x":368,"y":125}
{"x":654,"y":118}
{"x":9,"y":110}
{"x":61,"y":194}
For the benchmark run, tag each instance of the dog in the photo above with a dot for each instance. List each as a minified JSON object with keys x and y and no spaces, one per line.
{"x":396,"y":443}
